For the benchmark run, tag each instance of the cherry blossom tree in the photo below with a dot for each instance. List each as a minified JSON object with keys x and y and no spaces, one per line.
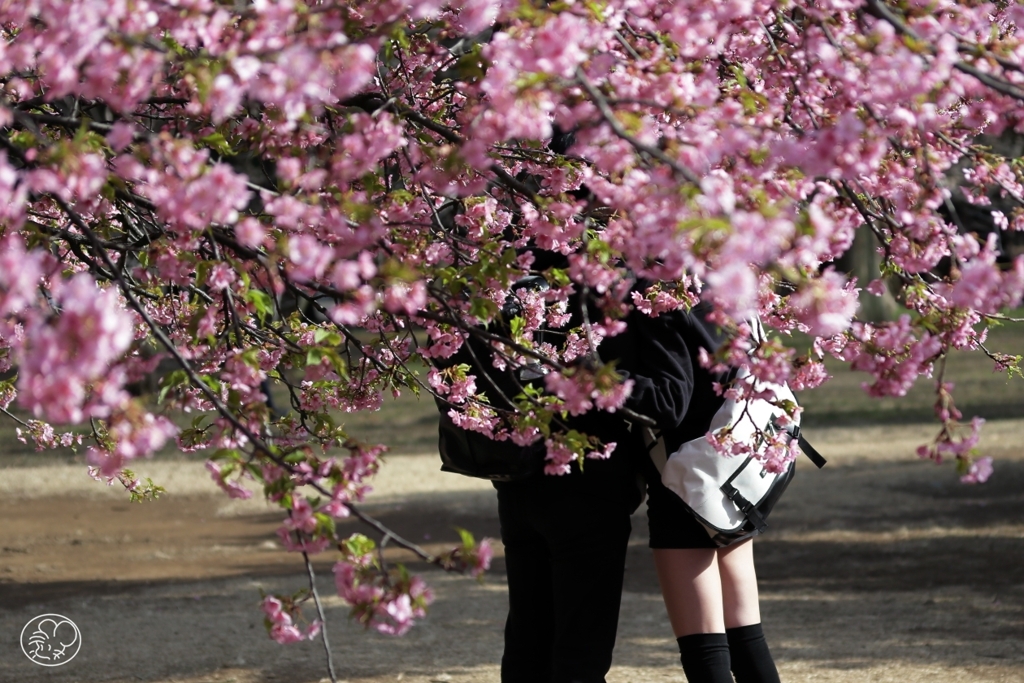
{"x":322,"y":198}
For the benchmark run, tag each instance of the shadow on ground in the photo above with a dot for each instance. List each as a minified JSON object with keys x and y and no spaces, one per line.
{"x":890,"y":561}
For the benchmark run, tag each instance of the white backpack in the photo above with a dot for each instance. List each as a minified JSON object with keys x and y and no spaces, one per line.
{"x":731,"y":496}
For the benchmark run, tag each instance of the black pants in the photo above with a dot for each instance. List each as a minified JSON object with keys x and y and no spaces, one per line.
{"x":565,"y":551}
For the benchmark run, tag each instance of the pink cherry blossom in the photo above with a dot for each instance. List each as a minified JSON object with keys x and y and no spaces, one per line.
{"x":979,"y":472}
{"x":233,"y":488}
{"x":483,"y":557}
{"x":827,"y":306}
{"x":121,"y":135}
{"x":90,"y":333}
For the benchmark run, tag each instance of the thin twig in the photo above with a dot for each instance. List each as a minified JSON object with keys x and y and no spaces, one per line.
{"x":320,"y":613}
{"x":15,"y":418}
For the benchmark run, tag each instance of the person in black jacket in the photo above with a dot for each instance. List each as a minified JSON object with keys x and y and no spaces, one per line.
{"x":565,"y":537}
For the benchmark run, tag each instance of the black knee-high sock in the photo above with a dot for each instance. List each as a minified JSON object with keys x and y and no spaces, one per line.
{"x":751,"y":660}
{"x":705,"y":657}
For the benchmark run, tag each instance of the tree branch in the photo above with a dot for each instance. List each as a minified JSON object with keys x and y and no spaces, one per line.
{"x":616,"y":126}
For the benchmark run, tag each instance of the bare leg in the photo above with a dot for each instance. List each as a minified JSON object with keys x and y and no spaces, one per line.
{"x":749,"y":656}
{"x":692,"y":589}
{"x":739,"y":585}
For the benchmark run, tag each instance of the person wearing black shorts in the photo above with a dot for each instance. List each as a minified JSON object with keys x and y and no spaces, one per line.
{"x":710,"y":593}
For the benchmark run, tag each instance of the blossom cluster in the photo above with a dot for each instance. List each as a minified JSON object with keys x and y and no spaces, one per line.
{"x":387,"y":602}
{"x":280,"y":621}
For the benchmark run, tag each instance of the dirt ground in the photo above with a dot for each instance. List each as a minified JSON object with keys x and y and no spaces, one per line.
{"x":878,"y":568}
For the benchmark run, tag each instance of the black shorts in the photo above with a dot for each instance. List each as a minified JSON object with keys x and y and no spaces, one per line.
{"x":670,"y":522}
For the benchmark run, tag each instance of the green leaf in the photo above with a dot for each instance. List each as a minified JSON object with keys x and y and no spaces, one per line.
{"x":202,"y":272}
{"x":558,"y":277}
{"x":759,"y":156}
{"x":262,"y":302}
{"x":337,"y":362}
{"x":358,"y":544}
{"x":332,"y":338}
{"x":218,"y":143}
{"x":597,"y":10}
{"x":401,"y":196}
{"x":251,"y":357}
{"x":471,"y":66}
{"x":225,"y":454}
{"x":171,"y":380}
{"x":483,"y":309}
{"x":23,"y":139}
{"x":212,"y":382}
{"x":467,"y":538}
{"x":324,"y":522}
{"x":963,"y":466}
